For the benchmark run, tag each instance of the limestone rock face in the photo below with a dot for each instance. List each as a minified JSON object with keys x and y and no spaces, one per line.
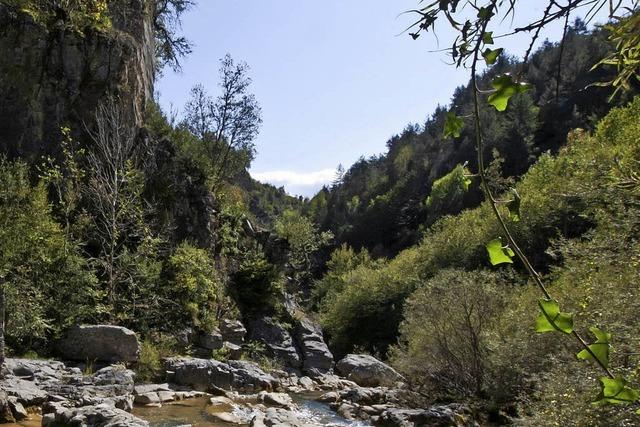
{"x":367,"y":371}
{"x":99,"y":342}
{"x":54,"y":76}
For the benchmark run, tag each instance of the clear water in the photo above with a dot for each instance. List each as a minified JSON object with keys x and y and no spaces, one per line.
{"x":196,"y":412}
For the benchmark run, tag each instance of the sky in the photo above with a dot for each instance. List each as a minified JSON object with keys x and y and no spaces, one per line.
{"x":335,"y":79}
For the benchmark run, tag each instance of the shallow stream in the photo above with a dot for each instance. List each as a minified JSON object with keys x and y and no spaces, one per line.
{"x":196,"y":412}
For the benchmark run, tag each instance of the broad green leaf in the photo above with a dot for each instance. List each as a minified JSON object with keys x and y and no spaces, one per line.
{"x":499,"y":254}
{"x":487,"y":38}
{"x":552,"y":319}
{"x":600,"y":348}
{"x":452,"y":125}
{"x":505,"y":88}
{"x":616,"y":391}
{"x":491,"y":55}
{"x":485,"y":12}
{"x":514,"y":206}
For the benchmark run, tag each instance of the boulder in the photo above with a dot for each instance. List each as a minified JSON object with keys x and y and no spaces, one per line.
{"x":103,"y":343}
{"x":6,"y":416}
{"x":278,"y":417}
{"x":367,"y":371}
{"x":226,"y":417}
{"x":277,"y":339}
{"x":17,"y":409}
{"x":103,"y":415}
{"x":455,"y":415}
{"x":149,"y":388}
{"x":282,"y":400}
{"x":317,"y":358}
{"x":233,"y":331}
{"x":233,"y":351}
{"x":210,"y":340}
{"x":27,"y":392}
{"x":206,"y":374}
{"x":150,"y":398}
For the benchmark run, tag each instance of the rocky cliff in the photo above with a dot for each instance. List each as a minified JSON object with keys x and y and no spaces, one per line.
{"x":55,"y":75}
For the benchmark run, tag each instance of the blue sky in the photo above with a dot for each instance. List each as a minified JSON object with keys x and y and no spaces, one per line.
{"x":334,"y":79}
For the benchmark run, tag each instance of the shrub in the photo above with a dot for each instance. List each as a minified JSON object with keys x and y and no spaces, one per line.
{"x":152,"y":351}
{"x":193,"y":285}
{"x":444,"y":334}
{"x":48,"y":285}
{"x":257,"y":287}
{"x":368,"y":309}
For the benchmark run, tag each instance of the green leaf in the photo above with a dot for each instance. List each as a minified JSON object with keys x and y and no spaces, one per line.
{"x":514,"y":206}
{"x":466,"y":182}
{"x":552,"y":319}
{"x":499,"y":254}
{"x":616,"y":391}
{"x":600,"y":348}
{"x":485,"y":12}
{"x":487,"y":38}
{"x":452,"y":125}
{"x":505,"y":88}
{"x":491,"y":55}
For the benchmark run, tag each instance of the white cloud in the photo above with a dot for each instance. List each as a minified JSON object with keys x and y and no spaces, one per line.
{"x":304,"y":183}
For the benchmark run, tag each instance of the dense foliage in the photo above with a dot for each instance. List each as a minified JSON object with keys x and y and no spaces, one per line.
{"x":579,"y":220}
{"x":397,"y":185}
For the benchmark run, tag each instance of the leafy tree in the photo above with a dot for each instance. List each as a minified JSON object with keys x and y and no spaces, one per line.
{"x":448,"y":192}
{"x":474,"y":42}
{"x":45,"y":284}
{"x":229,"y":123}
{"x":171,"y":47}
{"x":445,"y":332}
{"x":305,"y":240}
{"x":195,"y":290}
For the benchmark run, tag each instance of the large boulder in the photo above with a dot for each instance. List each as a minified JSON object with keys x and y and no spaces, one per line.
{"x":103,"y":343}
{"x":317,"y":358}
{"x":454,"y":415}
{"x":209,"y":375}
{"x":103,"y":415}
{"x":367,"y":371}
{"x":277,"y":340}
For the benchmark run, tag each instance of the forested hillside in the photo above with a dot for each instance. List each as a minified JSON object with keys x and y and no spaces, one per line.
{"x":452,"y":243}
{"x":381,"y":203}
{"x":458,"y":327}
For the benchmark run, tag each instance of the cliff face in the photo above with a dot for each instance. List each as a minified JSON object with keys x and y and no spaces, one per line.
{"x":55,"y":76}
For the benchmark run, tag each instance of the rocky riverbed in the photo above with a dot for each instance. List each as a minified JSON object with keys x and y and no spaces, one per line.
{"x":227,"y":393}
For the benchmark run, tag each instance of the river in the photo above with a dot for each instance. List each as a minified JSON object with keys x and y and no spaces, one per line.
{"x":196,"y":412}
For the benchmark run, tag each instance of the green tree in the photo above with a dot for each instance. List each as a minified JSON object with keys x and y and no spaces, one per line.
{"x":194,"y":288}
{"x":227,"y":124}
{"x":45,"y":284}
{"x":305,"y":240}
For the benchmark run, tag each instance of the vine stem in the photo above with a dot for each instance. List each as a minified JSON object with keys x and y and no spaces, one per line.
{"x":492,"y":200}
